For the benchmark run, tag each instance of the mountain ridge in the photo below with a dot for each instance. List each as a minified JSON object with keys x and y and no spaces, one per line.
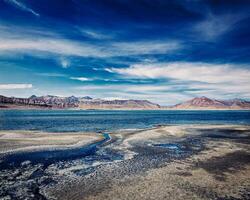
{"x":72,"y":102}
{"x":205,"y":103}
{"x":87,"y":102}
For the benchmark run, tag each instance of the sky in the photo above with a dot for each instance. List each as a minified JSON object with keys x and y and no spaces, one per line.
{"x":163,"y":51}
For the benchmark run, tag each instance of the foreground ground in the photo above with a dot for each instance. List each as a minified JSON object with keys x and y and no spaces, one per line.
{"x":222,"y":171}
{"x":167,"y":162}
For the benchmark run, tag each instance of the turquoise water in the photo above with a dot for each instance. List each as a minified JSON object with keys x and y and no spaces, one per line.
{"x":92,"y":120}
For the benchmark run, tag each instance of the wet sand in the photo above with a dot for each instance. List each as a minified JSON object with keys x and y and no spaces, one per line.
{"x":16,"y":141}
{"x":166,"y":162}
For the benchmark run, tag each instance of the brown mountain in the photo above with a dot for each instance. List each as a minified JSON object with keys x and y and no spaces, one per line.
{"x":118,"y":104}
{"x":72,"y":102}
{"x":204,"y":103}
{"x":87,"y":102}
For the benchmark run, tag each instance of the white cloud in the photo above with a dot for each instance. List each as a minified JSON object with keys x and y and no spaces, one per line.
{"x":185,"y":71}
{"x":22,"y":6}
{"x":69,"y":47}
{"x":80,"y":78}
{"x":145,"y":47}
{"x":192,"y":79}
{"x":15,"y":86}
{"x":57,"y":46}
{"x":37,"y":42}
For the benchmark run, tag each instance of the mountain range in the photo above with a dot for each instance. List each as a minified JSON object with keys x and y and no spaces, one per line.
{"x":72,"y":102}
{"x":86,"y":102}
{"x":204,"y":103}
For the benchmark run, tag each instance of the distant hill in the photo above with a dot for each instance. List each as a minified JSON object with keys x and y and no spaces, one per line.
{"x":204,"y":103}
{"x":118,"y":104}
{"x":72,"y":102}
{"x":87,"y":102}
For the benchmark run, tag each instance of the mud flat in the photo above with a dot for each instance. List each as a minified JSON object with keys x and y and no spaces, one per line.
{"x":171,"y":162}
{"x":17,"y":141}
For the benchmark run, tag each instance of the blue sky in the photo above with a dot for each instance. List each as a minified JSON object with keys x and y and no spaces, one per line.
{"x":163,"y":51}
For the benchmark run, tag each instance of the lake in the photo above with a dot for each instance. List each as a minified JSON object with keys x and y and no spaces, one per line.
{"x":106,"y":120}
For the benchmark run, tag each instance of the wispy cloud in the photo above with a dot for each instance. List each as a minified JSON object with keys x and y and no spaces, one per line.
{"x":81,"y":78}
{"x":65,"y":63}
{"x":22,"y":6}
{"x":126,"y":87}
{"x":15,"y":86}
{"x":202,"y":72}
{"x":216,"y":25}
{"x":36,"y":43}
{"x":56,"y":46}
{"x":76,"y":48}
{"x":145,"y":47}
{"x":94,"y":34}
{"x":193,"y":79}
{"x":51,"y":74}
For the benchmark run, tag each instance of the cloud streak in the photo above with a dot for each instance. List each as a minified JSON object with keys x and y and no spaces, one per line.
{"x":22,"y":6}
{"x":15,"y":86}
{"x":80,"y":78}
{"x":37,"y":42}
{"x":56,"y":46}
{"x":69,"y":47}
{"x":94,"y":34}
{"x":185,"y":71}
{"x":216,"y":25}
{"x":145,"y":47}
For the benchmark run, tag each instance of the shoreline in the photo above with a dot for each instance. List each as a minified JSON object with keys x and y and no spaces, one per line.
{"x":36,"y":107}
{"x":27,"y":141}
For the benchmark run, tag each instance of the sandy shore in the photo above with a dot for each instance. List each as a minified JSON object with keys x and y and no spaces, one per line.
{"x":16,"y":141}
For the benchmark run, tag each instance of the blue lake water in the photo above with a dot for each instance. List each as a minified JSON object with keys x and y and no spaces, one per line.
{"x":92,"y":120}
